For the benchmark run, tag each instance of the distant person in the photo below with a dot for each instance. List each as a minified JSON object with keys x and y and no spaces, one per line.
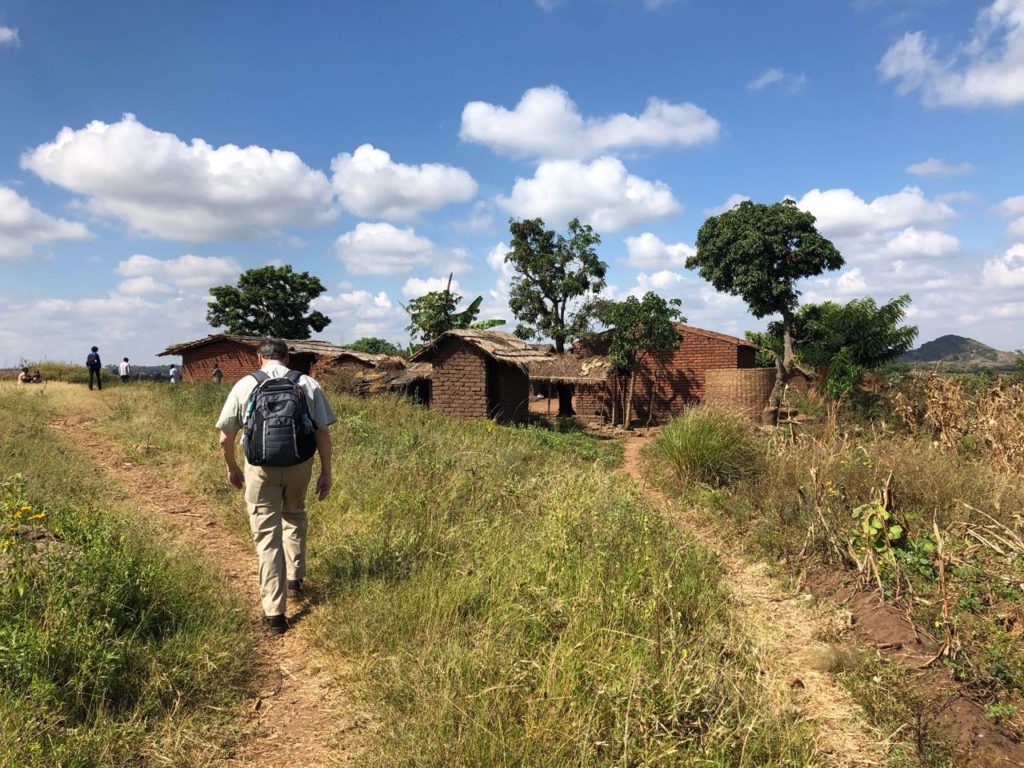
{"x":23,"y":377}
{"x":37,"y":377}
{"x":278,"y":467}
{"x":92,"y":362}
{"x":174,"y":374}
{"x":218,"y":374}
{"x":124,"y":370}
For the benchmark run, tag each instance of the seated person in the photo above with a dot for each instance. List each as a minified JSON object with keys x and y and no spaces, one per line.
{"x":37,"y":377}
{"x":23,"y":377}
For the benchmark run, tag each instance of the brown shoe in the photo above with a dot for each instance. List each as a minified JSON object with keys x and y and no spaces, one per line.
{"x":275,"y":625}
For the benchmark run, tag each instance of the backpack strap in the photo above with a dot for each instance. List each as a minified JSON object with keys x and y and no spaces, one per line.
{"x":293,"y":377}
{"x":260,"y":377}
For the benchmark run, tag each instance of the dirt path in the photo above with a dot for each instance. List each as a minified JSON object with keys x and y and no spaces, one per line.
{"x":786,"y":629}
{"x":299,"y":714}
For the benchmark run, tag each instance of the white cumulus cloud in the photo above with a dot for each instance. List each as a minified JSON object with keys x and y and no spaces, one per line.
{"x":988,"y":69}
{"x":1006,"y":271}
{"x":415,"y":287}
{"x":601,"y":193}
{"x":371,"y":185}
{"x":8,"y":36}
{"x":936,"y":167}
{"x":900,"y":226}
{"x":158,"y":184}
{"x":648,"y":251}
{"x":23,"y":227}
{"x":380,"y":248}
{"x":841,"y":212}
{"x":359,"y":313}
{"x":547,"y":123}
{"x":1013,"y":209}
{"x":146,"y":274}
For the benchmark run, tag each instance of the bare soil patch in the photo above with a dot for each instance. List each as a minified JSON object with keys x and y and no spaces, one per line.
{"x":301,"y":712}
{"x":951,"y":715}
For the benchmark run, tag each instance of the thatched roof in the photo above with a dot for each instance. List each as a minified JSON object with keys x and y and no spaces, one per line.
{"x":295,"y":346}
{"x":503,"y":347}
{"x":380,"y":381}
{"x":374,"y":361}
{"x":571,"y":369}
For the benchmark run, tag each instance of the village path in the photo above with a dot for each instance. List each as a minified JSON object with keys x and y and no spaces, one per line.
{"x":785,"y":629}
{"x":300,"y":711}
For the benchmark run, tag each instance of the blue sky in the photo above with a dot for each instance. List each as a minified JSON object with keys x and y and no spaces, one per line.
{"x":148,"y":152}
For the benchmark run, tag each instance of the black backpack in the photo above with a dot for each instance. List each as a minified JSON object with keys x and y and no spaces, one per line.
{"x":278,"y":429}
{"x":92,"y":361}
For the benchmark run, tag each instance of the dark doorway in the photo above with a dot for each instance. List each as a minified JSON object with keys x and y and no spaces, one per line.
{"x":492,"y":373}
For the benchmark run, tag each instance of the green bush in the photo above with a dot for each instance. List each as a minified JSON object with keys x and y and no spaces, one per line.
{"x":709,"y":446}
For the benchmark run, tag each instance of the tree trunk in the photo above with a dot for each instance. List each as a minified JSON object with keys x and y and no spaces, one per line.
{"x":783,"y":371}
{"x":628,"y":418}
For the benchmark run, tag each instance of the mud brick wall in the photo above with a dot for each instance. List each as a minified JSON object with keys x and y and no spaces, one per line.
{"x":665,"y":384}
{"x":593,"y":402}
{"x":512,"y":389}
{"x":235,"y":360}
{"x":459,"y":381}
{"x":743,"y":389}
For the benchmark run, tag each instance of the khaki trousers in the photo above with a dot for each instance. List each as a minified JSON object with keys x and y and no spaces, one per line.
{"x":276,"y":499}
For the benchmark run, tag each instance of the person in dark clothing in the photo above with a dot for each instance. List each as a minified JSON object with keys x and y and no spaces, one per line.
{"x":218,"y":375}
{"x":92,"y":362}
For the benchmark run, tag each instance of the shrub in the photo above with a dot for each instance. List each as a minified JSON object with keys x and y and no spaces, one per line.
{"x":710,"y":446}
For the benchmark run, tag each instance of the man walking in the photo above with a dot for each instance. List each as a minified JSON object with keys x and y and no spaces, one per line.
{"x":92,"y":362}
{"x":275,"y":483}
{"x":124,"y":370}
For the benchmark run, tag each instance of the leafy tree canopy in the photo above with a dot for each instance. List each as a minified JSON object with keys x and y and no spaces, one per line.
{"x":268,"y":301}
{"x":552,"y":272}
{"x":373,"y":345}
{"x":434,"y":313}
{"x":758,"y":252}
{"x":639,"y":325}
{"x":842,"y":341}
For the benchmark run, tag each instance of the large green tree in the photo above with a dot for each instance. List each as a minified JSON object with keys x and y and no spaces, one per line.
{"x":842,"y":341}
{"x":553,"y":273}
{"x":760,"y":252}
{"x":555,"y":276}
{"x":637,"y":327}
{"x":268,"y":301}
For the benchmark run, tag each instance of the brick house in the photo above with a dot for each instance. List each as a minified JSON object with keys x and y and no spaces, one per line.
{"x":236,"y":356}
{"x":480,"y":374}
{"x":665,"y":383}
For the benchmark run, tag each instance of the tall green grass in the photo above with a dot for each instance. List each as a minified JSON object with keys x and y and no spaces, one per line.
{"x":113,"y":651}
{"x":509,"y":600}
{"x":708,"y":446}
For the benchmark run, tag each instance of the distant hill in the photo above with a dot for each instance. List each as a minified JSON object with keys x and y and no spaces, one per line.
{"x":959,"y":353}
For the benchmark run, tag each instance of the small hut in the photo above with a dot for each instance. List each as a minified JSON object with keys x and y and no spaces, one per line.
{"x":480,"y":374}
{"x":237,"y":355}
